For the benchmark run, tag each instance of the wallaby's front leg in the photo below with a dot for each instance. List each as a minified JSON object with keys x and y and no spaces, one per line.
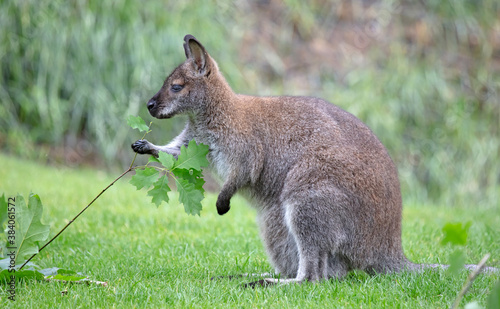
{"x":228,"y":190}
{"x":143,"y":146}
{"x":174,"y":147}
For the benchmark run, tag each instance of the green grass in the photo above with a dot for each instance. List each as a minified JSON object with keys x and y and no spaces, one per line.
{"x":164,"y":258}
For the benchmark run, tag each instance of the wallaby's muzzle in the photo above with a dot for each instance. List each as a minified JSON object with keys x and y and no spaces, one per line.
{"x":151,"y":105}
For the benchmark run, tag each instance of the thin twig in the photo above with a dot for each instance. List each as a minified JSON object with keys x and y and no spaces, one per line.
{"x":69,"y":223}
{"x":130,"y":168}
{"x":472,"y":276}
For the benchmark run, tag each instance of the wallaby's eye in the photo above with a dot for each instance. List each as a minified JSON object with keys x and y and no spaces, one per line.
{"x":176,"y":87}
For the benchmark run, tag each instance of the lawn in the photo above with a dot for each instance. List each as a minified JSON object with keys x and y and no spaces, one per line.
{"x":160,"y":257}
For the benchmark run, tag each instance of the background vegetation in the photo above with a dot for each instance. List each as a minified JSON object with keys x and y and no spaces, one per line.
{"x":424,"y":75}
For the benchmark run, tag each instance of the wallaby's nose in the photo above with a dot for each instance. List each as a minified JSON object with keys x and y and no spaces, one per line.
{"x":151,"y":104}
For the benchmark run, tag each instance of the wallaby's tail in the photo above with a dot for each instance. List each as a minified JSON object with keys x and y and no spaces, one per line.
{"x":420,"y":267}
{"x":486,"y":269}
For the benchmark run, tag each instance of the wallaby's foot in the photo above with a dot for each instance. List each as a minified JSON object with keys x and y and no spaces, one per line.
{"x":222,"y":205}
{"x":263,"y":283}
{"x":142,"y":146}
{"x":271,"y":281}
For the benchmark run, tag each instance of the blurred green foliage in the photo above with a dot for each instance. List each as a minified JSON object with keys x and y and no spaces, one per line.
{"x":73,"y":70}
{"x":424,"y":75}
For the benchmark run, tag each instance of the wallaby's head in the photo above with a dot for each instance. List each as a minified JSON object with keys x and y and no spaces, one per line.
{"x":185,"y":90}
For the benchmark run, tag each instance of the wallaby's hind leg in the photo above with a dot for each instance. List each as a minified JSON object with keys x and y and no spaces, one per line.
{"x":338,"y":266}
{"x":279,"y":242}
{"x":313,"y":266}
{"x":317,"y":237}
{"x":280,"y":246}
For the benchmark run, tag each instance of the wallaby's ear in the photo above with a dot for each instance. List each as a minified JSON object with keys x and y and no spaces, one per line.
{"x":196,"y":51}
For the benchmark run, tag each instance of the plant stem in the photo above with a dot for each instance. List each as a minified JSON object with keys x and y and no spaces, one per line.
{"x":69,"y":223}
{"x":470,"y":280}
{"x":130,"y":168}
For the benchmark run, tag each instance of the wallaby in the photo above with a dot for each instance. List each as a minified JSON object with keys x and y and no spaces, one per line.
{"x":326,"y":191}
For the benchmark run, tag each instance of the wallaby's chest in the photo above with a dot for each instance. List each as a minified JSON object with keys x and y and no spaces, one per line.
{"x":220,"y":162}
{"x":218,"y":154}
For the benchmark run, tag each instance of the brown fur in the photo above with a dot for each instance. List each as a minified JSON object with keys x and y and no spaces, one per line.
{"x":326,"y":191}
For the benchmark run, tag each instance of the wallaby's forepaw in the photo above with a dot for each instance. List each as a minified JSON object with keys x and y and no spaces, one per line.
{"x":222,"y":206}
{"x":142,"y":146}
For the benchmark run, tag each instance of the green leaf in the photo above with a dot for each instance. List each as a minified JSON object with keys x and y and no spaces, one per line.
{"x":193,"y":176}
{"x":52,"y":274}
{"x":144,"y":178}
{"x":187,"y":173}
{"x":137,"y":123}
{"x":153,"y":159}
{"x":52,"y":271}
{"x":455,"y":233}
{"x":72,"y":278}
{"x":189,"y":196}
{"x":29,"y":230}
{"x":192,"y":156}
{"x":159,"y":191}
{"x":5,"y":275}
{"x":55,"y":273}
{"x":167,"y":160}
